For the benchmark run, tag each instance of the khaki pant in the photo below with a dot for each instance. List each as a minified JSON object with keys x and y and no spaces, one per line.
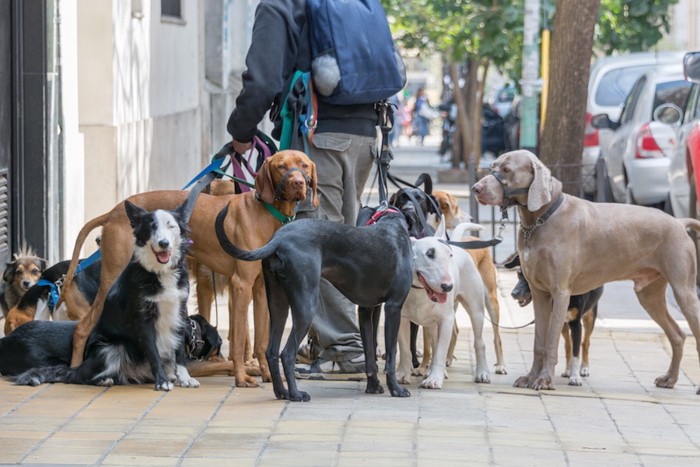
{"x":343,"y":164}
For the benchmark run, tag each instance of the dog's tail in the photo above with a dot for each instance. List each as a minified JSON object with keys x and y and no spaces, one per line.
{"x":82,"y":235}
{"x":690,"y":223}
{"x":47,"y":374}
{"x":232,"y":249}
{"x":458,"y":231}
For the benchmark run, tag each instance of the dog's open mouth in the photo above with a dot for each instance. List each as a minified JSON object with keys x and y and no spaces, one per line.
{"x":437,"y":297}
{"x":162,"y":256}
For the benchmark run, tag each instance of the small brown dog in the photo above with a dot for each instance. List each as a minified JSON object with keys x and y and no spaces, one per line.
{"x":20,"y":274}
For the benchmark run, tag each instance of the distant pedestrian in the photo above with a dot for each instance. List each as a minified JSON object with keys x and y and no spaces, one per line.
{"x":421,"y":110}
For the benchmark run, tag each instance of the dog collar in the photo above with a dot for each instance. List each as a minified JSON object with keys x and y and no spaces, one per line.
{"x":529,"y":230}
{"x":379,"y":213}
{"x":276,"y":213}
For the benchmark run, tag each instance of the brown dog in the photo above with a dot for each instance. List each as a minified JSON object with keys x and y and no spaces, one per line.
{"x":449,"y":205}
{"x":20,"y":274}
{"x":282,"y":182}
{"x":208,"y":283}
{"x":569,"y":246}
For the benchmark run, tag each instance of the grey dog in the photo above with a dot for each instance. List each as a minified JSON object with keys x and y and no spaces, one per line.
{"x":370,"y":265}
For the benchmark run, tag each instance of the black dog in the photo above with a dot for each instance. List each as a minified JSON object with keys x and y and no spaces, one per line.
{"x":369,"y":265}
{"x":417,"y":205}
{"x":581,"y":308}
{"x":140,"y":333}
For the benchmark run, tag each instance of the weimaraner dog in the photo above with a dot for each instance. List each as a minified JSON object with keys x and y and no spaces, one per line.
{"x":569,"y":246}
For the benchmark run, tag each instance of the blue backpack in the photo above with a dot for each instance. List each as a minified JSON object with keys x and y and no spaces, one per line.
{"x":354,"y":60}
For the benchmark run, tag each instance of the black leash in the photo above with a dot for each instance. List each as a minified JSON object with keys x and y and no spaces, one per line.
{"x":384,"y":155}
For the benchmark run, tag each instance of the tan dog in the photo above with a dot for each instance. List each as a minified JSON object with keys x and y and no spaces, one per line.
{"x":569,"y":246}
{"x":292,"y":173}
{"x":20,"y":274}
{"x":449,"y":205}
{"x":208,"y":283}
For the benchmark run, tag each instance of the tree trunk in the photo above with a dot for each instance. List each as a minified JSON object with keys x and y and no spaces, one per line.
{"x":478,"y":112}
{"x":561,"y":146}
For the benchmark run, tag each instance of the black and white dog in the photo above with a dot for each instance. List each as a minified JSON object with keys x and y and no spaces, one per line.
{"x":139,"y":335}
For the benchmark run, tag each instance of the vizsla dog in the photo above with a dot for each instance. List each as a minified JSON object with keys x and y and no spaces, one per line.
{"x":569,"y":246}
{"x":282,"y":182}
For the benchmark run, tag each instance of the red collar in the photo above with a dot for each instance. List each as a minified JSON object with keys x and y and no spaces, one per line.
{"x":379,"y":213}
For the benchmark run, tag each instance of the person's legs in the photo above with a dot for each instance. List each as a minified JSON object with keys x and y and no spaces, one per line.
{"x":343,"y":164}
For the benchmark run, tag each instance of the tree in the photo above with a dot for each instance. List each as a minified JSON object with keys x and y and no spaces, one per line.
{"x":572,"y":42}
{"x":631,"y":25}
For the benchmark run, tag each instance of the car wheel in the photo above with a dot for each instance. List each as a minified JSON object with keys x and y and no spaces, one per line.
{"x":693,"y":213}
{"x":603,"y":192}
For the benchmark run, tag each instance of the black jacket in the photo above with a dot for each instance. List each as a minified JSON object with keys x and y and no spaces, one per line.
{"x":280,"y":45}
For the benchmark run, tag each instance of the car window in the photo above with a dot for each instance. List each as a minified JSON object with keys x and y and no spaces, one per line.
{"x":615,"y":85}
{"x":692,"y":109}
{"x":672,"y":92}
{"x":631,"y":100}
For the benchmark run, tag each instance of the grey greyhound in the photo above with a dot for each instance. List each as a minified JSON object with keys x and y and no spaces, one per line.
{"x":370,"y":265}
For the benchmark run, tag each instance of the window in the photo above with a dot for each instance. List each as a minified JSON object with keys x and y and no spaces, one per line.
{"x":631,"y":100}
{"x":615,"y":85}
{"x":171,"y":9}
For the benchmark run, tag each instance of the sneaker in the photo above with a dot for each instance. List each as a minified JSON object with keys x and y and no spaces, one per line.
{"x":320,"y":369}
{"x":308,"y":352}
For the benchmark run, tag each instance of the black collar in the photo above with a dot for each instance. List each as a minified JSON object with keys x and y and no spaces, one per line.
{"x":529,"y":230}
{"x":508,"y":192}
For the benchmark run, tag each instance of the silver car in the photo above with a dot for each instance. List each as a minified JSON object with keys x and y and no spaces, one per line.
{"x":636,"y":156}
{"x":610,"y":81}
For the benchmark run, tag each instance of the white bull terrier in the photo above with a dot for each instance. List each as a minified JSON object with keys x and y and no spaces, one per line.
{"x":444,"y":276}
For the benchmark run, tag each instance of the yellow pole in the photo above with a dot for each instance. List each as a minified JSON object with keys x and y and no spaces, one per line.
{"x":545,"y":76}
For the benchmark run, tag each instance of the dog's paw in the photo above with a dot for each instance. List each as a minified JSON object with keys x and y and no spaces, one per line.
{"x":188,"y":383}
{"x":107,"y":382}
{"x":542,"y":382}
{"x":565,"y":373}
{"x":246,"y":382}
{"x":299,"y":396}
{"x":432,"y":383}
{"x":164,"y":386}
{"x":403,"y":378}
{"x":665,"y":381}
{"x":482,"y":377}
{"x":522,"y":382}
{"x":450,"y":361}
{"x":500,"y":369}
{"x":400,"y":392}
{"x":575,"y":381}
{"x":420,"y":371}
{"x":585,"y":371}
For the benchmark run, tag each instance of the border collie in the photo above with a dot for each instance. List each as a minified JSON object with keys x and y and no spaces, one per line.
{"x":139,"y":335}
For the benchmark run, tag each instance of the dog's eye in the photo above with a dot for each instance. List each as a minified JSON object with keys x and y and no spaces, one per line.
{"x":35,"y":271}
{"x":430,"y":253}
{"x":505,"y":169}
{"x":304,"y":166}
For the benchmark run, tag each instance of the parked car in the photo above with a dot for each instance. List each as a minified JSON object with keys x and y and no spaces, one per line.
{"x":611,"y":79}
{"x":684,"y":167}
{"x":636,"y":156}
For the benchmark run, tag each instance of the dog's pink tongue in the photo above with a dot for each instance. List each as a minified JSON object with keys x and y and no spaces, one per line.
{"x":163,"y":256}
{"x":438,"y":297}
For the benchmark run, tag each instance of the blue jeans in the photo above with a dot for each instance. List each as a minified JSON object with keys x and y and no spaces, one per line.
{"x":343,"y":164}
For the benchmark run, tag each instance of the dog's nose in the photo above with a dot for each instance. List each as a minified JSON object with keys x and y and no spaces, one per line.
{"x":164,"y":243}
{"x":446,"y":287}
{"x":476,"y":188}
{"x":26,"y":284}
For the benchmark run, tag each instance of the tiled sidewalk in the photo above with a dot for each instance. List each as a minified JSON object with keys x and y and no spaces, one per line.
{"x":617,"y":418}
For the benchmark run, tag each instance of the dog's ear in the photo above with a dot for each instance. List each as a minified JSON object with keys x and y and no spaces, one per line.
{"x":314,"y":184}
{"x":134,"y":213}
{"x":181,"y":217}
{"x":42,"y":264}
{"x":540,"y":191}
{"x":264,"y":185}
{"x":426,"y":180}
{"x":10,"y":269}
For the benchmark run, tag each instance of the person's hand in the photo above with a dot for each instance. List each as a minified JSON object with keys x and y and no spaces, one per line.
{"x":241,"y":148}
